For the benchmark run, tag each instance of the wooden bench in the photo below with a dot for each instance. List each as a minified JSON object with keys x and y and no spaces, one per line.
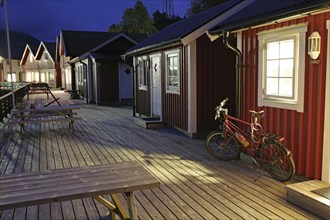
{"x":36,"y":188}
{"x":46,"y":114}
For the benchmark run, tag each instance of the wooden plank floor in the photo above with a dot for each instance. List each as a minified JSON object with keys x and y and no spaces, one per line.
{"x":193,"y":184}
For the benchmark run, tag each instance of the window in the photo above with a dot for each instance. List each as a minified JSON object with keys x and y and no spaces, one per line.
{"x":45,"y":56}
{"x":279,"y":69}
{"x":11,"y":77}
{"x":143,"y":65}
{"x":282,"y":67}
{"x":172,"y":71}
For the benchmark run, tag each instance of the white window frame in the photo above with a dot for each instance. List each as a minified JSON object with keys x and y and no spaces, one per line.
{"x":169,"y":88}
{"x":298,"y":33}
{"x":142,"y":79}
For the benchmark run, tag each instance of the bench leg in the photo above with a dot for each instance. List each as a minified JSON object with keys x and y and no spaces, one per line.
{"x":107,"y":204}
{"x":121,"y":211}
{"x":131,"y":205}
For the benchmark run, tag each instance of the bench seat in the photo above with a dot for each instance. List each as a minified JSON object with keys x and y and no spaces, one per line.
{"x":36,"y":188}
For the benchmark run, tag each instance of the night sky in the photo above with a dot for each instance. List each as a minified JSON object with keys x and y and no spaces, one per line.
{"x":45,"y":18}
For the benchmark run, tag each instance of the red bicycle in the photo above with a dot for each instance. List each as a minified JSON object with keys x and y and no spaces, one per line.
{"x":267,"y":151}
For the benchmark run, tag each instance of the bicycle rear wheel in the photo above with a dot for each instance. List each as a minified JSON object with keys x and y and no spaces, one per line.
{"x":222,"y":148}
{"x":277,"y":160}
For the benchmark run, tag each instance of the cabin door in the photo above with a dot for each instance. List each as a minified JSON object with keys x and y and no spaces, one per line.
{"x":156,"y":91}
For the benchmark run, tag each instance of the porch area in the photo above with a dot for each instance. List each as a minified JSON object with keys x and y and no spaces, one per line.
{"x":193,"y":184}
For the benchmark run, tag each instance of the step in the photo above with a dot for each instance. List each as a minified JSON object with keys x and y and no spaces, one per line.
{"x":301,"y":194}
{"x":149,"y":123}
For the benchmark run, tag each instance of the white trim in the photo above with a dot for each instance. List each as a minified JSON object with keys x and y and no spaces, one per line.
{"x":142,"y":87}
{"x":326,"y":132}
{"x":192,"y":88}
{"x":200,"y":31}
{"x":45,"y":49}
{"x":176,"y":89}
{"x":299,"y":33}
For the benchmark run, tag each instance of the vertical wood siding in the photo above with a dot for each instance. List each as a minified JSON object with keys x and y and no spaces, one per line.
{"x":303,"y":131}
{"x":175,"y":110}
{"x":216,"y":79}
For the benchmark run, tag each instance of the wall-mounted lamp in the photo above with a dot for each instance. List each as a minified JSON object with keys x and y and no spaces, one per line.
{"x":314,"y":45}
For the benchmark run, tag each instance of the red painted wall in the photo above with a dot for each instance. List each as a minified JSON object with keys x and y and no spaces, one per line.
{"x":303,"y":131}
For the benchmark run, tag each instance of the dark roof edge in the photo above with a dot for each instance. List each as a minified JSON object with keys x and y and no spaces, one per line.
{"x":271,"y":17}
{"x":161,"y":44}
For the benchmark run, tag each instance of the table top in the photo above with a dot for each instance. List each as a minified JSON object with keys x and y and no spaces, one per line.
{"x":32,"y":188}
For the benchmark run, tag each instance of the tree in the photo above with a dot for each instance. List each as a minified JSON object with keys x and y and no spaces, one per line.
{"x":197,"y":6}
{"x":161,"y":20}
{"x":135,"y":20}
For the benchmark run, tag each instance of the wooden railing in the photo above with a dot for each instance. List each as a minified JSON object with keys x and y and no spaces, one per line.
{"x":6,"y":101}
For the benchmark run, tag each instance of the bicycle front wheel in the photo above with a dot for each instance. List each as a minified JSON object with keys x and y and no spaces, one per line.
{"x":221,"y":147}
{"x":277,"y":160}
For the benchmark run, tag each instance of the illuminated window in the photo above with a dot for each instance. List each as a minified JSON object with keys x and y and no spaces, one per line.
{"x":282,"y":68}
{"x":11,"y":77}
{"x":279,"y":74}
{"x":172,"y":71}
{"x":28,"y":77}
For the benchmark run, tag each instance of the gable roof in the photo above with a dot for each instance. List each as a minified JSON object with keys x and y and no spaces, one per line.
{"x":113,"y":47}
{"x":18,"y":42}
{"x":259,"y":12}
{"x":49,"y":47}
{"x":29,"y":49}
{"x":176,"y":32}
{"x":77,"y":43}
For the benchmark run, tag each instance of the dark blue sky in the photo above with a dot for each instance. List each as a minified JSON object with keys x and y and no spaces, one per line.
{"x":45,"y":18}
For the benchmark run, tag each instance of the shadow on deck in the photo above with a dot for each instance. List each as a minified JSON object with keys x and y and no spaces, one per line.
{"x":193,"y":184}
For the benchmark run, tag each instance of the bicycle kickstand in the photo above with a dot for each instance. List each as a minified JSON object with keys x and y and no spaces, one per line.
{"x":257,"y":165}
{"x":261,"y":173}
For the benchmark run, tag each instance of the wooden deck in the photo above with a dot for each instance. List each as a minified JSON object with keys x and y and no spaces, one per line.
{"x":193,"y":184}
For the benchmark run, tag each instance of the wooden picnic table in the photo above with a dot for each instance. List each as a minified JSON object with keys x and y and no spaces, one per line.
{"x":44,"y":114}
{"x":35,"y":188}
{"x":36,"y":88}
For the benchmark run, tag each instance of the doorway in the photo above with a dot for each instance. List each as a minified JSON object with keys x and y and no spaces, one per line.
{"x":156,"y":86}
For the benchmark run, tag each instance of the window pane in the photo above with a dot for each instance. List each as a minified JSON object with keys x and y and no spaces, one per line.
{"x":287,"y":48}
{"x":285,"y":88}
{"x":175,"y":61}
{"x":286,"y":68}
{"x":272,"y":68}
{"x":28,"y":77}
{"x":272,"y":86}
{"x":273,"y":49}
{"x":173,"y":81}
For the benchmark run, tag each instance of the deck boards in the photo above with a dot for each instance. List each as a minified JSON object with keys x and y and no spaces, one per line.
{"x":193,"y":184}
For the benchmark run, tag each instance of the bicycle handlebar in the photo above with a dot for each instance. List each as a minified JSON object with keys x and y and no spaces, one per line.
{"x":220,"y":108}
{"x":223,"y":102}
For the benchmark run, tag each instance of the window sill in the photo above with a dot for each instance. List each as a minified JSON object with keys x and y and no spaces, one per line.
{"x":176,"y":92}
{"x":144,"y":88}
{"x":283,"y":104}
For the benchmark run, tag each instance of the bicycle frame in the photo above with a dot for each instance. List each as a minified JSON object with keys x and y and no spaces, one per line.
{"x":233,"y":128}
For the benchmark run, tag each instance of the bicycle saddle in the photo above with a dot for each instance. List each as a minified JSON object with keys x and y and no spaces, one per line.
{"x":257,"y":114}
